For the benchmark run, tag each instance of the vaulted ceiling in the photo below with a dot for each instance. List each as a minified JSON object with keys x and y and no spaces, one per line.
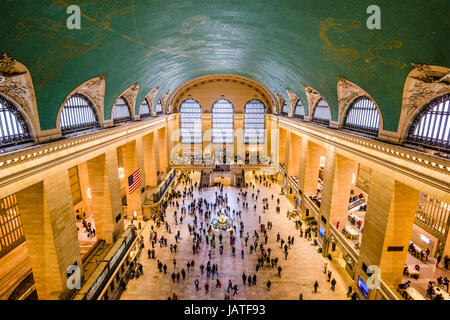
{"x":281,"y":44}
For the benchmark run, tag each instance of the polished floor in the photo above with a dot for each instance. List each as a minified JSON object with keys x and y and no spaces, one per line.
{"x":302,"y":268}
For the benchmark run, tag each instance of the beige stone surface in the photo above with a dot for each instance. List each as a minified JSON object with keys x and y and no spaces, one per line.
{"x":50,"y":232}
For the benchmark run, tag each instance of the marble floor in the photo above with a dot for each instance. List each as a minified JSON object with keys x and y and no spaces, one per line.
{"x":302,"y":268}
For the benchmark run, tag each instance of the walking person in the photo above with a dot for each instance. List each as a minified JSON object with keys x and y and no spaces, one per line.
{"x":349,"y":291}
{"x":316,"y":285}
{"x":333,"y":284}
{"x":196,"y":284}
{"x":269,"y":284}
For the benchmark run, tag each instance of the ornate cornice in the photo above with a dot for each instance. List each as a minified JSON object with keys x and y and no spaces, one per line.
{"x":347,"y":92}
{"x":423,"y":84}
{"x":150,"y":97}
{"x":313,"y":97}
{"x":184,"y":91}
{"x":130,"y":96}
{"x":293,"y":98}
{"x":16,"y":84}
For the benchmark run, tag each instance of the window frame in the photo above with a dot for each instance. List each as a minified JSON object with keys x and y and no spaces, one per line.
{"x":78,"y":112}
{"x":364,"y":108}
{"x":192,"y":140}
{"x":14,"y":128}
{"x":159,"y":103}
{"x":144,"y":115}
{"x":429,"y":116}
{"x":122,"y":119}
{"x":11,"y":227}
{"x":287,"y":108}
{"x":75,"y":185}
{"x":260,"y":138}
{"x":214,"y":124}
{"x":321,"y":121}
{"x":295,"y":115}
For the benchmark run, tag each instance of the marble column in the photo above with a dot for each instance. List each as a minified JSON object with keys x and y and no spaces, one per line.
{"x":163,"y":149}
{"x":105,"y":192}
{"x":294,"y":155}
{"x":129,"y":154}
{"x":337,"y":183}
{"x":149,"y":152}
{"x":240,"y":147}
{"x":49,"y":226}
{"x":387,"y":228}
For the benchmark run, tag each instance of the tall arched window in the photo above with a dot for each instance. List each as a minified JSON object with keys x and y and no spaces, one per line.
{"x":78,"y":114}
{"x":431,"y":127}
{"x":13,"y":128}
{"x":222,"y":122}
{"x":159,"y":108}
{"x":322,"y":113}
{"x":285,"y":108}
{"x":254,"y":122}
{"x":363,"y":116}
{"x":191,"y":122}
{"x":144,"y":110}
{"x":121,"y":111}
{"x":299,"y":111}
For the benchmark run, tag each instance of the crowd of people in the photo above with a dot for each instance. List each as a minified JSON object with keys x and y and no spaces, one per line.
{"x":188,"y":200}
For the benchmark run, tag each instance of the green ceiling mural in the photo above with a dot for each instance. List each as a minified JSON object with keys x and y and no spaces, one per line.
{"x":282,"y":44}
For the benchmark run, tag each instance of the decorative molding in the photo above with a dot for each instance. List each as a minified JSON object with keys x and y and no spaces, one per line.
{"x":293,"y":98}
{"x":164,"y":101}
{"x":347,"y":140}
{"x":19,"y":165}
{"x":347,"y":92}
{"x":150,"y":97}
{"x":280,"y":99}
{"x":93,"y":89}
{"x":16,"y":84}
{"x":423,"y":84}
{"x":313,"y":97}
{"x":183,"y":92}
{"x":130,"y":96}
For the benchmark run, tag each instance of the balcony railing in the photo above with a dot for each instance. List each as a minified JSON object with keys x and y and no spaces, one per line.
{"x":312,"y":206}
{"x":345,"y":244}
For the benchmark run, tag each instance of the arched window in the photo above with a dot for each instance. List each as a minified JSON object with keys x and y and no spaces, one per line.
{"x":159,"y":108}
{"x":144,"y":110}
{"x":299,"y":111}
{"x":363,"y":116}
{"x":121,"y":111}
{"x":78,"y":114}
{"x":431,"y":127}
{"x":254,"y":122}
{"x":191,"y":122}
{"x":222,"y":122}
{"x":322,"y":113}
{"x":285,"y":108}
{"x":13,"y":128}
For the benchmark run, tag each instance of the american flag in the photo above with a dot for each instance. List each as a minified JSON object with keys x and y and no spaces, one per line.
{"x":134,"y":181}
